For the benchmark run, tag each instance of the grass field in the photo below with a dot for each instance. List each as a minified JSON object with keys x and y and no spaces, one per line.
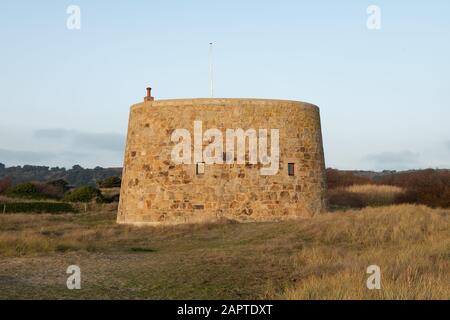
{"x":322,"y":258}
{"x":365,"y":195}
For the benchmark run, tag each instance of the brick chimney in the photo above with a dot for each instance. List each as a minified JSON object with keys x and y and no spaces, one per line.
{"x":149,"y":97}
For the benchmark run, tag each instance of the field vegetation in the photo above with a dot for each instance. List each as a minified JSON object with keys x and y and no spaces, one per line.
{"x":384,"y":222}
{"x":321,"y":258}
{"x":423,"y":187}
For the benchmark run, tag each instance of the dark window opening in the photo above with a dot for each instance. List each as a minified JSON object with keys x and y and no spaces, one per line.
{"x":291,"y":169}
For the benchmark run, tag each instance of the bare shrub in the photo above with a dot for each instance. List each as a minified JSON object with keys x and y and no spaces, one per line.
{"x":429,"y":187}
{"x":341,"y":199}
{"x":337,"y":178}
{"x":359,"y":196}
{"x":5,"y":183}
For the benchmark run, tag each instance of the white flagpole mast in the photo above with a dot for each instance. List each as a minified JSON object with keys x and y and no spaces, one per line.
{"x":211,"y":68}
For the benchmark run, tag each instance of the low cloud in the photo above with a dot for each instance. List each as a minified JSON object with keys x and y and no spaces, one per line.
{"x":105,"y":141}
{"x":63,"y":147}
{"x":393,"y":160}
{"x":52,"y":133}
{"x":83,"y":140}
{"x":14,"y":156}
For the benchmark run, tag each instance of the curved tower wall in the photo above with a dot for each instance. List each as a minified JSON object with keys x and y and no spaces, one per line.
{"x":157,"y":190}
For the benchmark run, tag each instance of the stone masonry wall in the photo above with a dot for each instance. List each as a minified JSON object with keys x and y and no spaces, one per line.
{"x":155,"y":190}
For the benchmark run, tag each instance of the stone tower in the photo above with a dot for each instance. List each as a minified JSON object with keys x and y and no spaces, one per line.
{"x":208,"y":177}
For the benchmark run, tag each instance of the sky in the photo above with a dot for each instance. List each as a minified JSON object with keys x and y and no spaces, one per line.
{"x":384,"y":94}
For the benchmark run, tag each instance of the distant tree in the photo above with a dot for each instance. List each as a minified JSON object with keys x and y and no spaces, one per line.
{"x":5,"y":183}
{"x":111,"y":182}
{"x":60,"y":183}
{"x":429,"y":187}
{"x":26,"y":190}
{"x":54,"y":188}
{"x":57,"y":169}
{"x":49,"y":191}
{"x":77,"y":176}
{"x":337,"y":178}
{"x":83,"y":194}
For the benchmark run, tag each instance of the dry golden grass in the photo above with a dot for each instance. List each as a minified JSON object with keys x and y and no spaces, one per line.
{"x":321,"y":258}
{"x":376,"y":195}
{"x":358,"y":196}
{"x":375,"y":189}
{"x":411,"y":245}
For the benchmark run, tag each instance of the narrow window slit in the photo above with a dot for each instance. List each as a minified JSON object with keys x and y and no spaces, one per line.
{"x":291,"y":171}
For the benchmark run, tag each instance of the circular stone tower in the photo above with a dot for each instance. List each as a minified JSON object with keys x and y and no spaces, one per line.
{"x":194,"y":160}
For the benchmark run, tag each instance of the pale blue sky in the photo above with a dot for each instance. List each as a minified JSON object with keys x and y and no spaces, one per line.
{"x":384,"y":95}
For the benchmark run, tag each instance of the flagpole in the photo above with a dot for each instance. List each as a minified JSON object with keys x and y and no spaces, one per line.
{"x":211,"y":69}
